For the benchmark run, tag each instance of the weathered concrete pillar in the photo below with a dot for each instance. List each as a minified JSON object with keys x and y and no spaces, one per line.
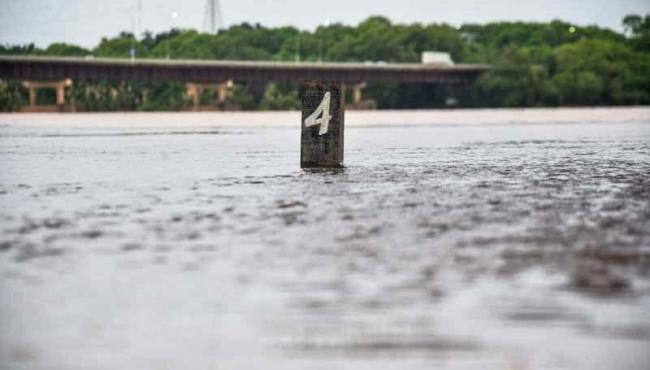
{"x":357,"y":93}
{"x":59,"y":88}
{"x":71,"y":106}
{"x":193,"y":92}
{"x":323,"y":109}
{"x":223,"y":91}
{"x":60,"y":94}
{"x":32,"y":96}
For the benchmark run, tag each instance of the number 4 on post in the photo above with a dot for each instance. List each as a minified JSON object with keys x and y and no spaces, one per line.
{"x":322,"y":111}
{"x":322,"y":104}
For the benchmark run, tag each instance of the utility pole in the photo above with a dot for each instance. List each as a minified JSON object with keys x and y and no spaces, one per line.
{"x":212,"y":20}
{"x":298,"y":49}
{"x":139,"y":27}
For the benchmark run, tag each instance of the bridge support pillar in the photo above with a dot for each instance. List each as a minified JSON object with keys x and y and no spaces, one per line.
{"x":223,"y":91}
{"x":32,"y":94}
{"x":195,"y":90}
{"x":357,"y":92}
{"x":357,"y":97}
{"x":58,"y":86}
{"x":60,"y":94}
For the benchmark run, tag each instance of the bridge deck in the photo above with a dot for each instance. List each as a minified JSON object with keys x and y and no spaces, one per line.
{"x":203,"y":71}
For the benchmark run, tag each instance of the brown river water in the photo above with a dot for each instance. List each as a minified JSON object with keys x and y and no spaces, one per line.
{"x":469,"y":239}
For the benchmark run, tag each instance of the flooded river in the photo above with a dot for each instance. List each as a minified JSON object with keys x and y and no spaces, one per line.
{"x":505,"y":239}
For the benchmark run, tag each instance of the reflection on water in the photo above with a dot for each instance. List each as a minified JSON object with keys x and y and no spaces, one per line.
{"x":460,"y":246}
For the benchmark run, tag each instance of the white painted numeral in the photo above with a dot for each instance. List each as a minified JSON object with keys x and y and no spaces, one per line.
{"x":324,"y":120}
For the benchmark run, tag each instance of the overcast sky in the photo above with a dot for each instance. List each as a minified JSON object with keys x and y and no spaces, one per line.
{"x":85,"y":22}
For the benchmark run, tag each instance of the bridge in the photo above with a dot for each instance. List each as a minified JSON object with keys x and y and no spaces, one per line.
{"x":59,"y":72}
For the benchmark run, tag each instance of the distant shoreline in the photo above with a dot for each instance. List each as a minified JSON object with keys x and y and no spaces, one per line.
{"x":638,"y":114}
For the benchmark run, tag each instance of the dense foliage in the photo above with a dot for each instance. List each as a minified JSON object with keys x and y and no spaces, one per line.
{"x":535,"y":64}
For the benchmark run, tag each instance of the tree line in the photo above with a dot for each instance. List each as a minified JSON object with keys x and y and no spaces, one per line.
{"x":535,"y":64}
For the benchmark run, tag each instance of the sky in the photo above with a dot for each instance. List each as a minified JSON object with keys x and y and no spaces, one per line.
{"x":85,"y":22}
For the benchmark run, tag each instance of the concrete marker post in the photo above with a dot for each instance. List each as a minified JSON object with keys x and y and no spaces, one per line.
{"x":323,"y":113}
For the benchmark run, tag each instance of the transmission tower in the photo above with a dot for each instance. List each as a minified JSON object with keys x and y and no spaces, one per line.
{"x":212,"y":21}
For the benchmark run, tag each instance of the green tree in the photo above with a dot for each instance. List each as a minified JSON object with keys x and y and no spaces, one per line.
{"x":187,"y":44}
{"x":165,"y":96}
{"x":63,"y":49}
{"x":28,"y":49}
{"x":12,"y":96}
{"x":280,"y":97}
{"x":119,"y":47}
{"x":600,"y":67}
{"x":638,"y":28}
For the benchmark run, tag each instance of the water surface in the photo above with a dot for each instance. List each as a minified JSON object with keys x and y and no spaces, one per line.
{"x":511,"y":239}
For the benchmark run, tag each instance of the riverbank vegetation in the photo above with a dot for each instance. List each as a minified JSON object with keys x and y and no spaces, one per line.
{"x":535,"y":64}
